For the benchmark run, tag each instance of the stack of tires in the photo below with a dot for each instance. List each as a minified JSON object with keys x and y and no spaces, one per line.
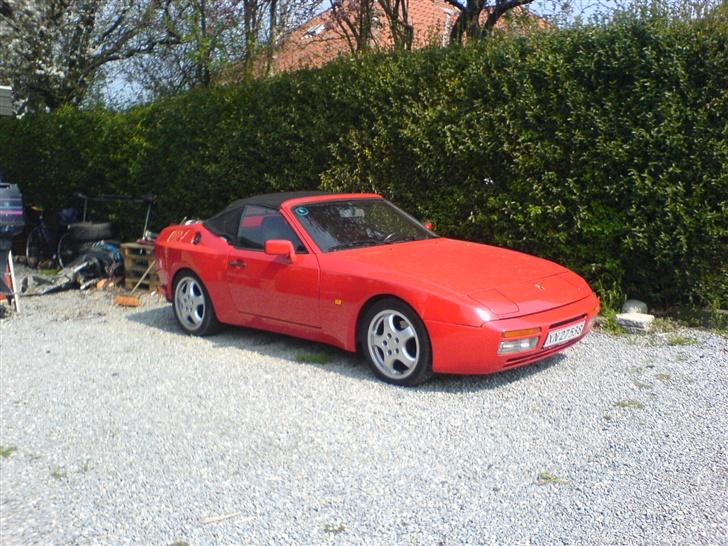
{"x":42,"y":248}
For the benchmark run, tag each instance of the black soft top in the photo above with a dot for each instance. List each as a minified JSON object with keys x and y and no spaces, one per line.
{"x":272,"y":200}
{"x":226,"y":223}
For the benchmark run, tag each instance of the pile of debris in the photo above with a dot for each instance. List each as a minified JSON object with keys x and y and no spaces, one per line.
{"x":100,"y":261}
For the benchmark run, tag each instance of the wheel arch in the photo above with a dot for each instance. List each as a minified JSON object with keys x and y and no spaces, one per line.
{"x":179,"y":271}
{"x":368,"y":305}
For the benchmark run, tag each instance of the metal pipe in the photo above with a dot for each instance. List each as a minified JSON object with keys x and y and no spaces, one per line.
{"x":14,"y":286}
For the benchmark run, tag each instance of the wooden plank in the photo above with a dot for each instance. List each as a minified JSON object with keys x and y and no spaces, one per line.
{"x":145,"y":284}
{"x":142,"y":267}
{"x":137,"y":246}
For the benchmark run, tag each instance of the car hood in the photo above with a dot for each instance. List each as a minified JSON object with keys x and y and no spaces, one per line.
{"x":507,"y":282}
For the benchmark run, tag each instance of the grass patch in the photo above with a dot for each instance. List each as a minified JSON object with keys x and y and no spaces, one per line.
{"x":547,"y":478}
{"x":59,"y":473}
{"x":48,"y":272}
{"x":334,"y":528}
{"x":664,"y":376}
{"x":664,"y":325}
{"x":675,"y":339}
{"x":608,"y":324}
{"x":641,"y":384}
{"x":7,"y":451}
{"x":631,"y":404}
{"x":309,"y":358}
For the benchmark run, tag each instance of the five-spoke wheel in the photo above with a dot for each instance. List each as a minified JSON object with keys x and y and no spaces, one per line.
{"x":192,"y":305}
{"x":396,"y":343}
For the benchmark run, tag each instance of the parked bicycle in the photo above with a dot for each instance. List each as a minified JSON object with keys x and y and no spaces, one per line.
{"x":45,"y":244}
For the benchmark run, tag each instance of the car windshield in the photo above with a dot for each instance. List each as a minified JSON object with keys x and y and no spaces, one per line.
{"x":339,"y":225}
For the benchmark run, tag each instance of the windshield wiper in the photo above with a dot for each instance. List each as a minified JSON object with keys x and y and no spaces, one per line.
{"x":401,"y":239}
{"x":354,"y":244}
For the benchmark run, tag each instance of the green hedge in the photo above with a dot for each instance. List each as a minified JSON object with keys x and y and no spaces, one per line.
{"x":604,"y":148}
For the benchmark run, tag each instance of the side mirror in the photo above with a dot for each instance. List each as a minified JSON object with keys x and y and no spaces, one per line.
{"x":281,"y":247}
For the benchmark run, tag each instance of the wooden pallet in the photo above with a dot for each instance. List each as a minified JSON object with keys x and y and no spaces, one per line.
{"x":137,"y":259}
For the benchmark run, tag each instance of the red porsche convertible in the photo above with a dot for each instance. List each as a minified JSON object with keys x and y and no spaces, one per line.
{"x":356,"y":272}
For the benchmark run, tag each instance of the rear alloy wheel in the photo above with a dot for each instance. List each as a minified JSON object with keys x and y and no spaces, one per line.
{"x":396,"y":343}
{"x":192,"y":306}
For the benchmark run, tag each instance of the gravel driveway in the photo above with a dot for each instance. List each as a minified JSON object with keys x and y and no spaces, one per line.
{"x":118,"y":429}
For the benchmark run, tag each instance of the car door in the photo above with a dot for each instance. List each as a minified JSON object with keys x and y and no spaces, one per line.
{"x":271,"y":286}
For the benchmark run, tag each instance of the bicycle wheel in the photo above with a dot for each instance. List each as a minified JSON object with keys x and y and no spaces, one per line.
{"x":66,"y":250}
{"x":36,"y":248}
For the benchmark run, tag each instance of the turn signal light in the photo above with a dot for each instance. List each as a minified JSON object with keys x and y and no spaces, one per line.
{"x":521,"y":333}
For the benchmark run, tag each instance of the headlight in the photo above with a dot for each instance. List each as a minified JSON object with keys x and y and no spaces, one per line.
{"x":517,"y":345}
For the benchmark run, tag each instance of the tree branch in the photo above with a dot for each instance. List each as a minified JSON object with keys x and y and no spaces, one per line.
{"x":117,"y":55}
{"x":455,"y":4}
{"x":116,"y":24}
{"x":499,"y":10}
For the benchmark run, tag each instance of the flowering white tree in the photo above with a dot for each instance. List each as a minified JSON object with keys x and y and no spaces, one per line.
{"x":51,"y":51}
{"x":56,"y":52}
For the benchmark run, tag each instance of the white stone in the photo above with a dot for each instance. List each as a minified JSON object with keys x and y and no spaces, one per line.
{"x":634,"y":306}
{"x":635,"y":323}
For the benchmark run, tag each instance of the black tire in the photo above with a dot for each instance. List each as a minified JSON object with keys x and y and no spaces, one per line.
{"x":399,"y":337}
{"x":83,"y":232}
{"x":67,"y":250}
{"x":192,"y":305}
{"x":36,"y":249}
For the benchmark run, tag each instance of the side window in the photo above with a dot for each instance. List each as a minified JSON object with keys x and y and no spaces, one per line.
{"x":259,"y":224}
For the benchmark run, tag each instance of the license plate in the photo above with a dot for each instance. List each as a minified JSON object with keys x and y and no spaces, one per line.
{"x":563,"y":335}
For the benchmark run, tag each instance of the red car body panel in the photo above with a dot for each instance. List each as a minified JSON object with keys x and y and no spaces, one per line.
{"x":467,"y":294}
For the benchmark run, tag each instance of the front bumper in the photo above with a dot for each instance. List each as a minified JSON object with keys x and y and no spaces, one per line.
{"x":461,"y":349}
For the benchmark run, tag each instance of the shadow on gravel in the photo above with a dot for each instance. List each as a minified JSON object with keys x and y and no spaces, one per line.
{"x":262,"y":342}
{"x":474,"y":383}
{"x":341,"y":362}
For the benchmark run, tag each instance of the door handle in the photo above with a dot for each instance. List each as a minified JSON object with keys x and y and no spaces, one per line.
{"x":236,"y":263}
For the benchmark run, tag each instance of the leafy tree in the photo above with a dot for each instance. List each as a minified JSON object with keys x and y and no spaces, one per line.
{"x":213,"y":39}
{"x":206,"y":34}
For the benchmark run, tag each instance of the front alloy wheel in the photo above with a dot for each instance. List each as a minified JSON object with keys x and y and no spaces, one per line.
{"x":397,"y":345}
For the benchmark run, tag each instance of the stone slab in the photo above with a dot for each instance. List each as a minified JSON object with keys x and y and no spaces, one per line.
{"x":635,"y":323}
